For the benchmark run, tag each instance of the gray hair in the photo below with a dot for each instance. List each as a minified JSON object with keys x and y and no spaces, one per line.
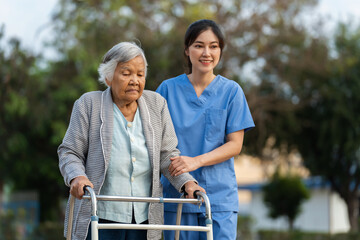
{"x":120,"y":53}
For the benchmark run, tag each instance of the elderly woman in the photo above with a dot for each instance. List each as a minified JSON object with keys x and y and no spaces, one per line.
{"x":119,"y":141}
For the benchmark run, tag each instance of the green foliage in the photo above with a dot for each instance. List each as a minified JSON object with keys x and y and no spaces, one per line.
{"x":329,"y":121}
{"x":307,"y":99}
{"x":48,"y":231}
{"x":244,"y":228}
{"x":86,"y":30}
{"x":27,"y":154}
{"x":7,"y":225}
{"x":297,"y":235}
{"x":283,"y":196}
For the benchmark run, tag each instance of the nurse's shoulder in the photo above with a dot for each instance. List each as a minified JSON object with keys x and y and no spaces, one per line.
{"x":231,"y":87}
{"x":171,"y":84}
{"x":175,"y":80}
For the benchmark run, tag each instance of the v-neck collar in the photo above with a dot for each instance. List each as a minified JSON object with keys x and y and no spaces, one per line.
{"x":206,"y":94}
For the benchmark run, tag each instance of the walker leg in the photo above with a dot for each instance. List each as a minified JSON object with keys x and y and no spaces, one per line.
{"x":94,"y":228}
{"x":209,"y":234}
{"x":178,"y":220}
{"x":71,"y":217}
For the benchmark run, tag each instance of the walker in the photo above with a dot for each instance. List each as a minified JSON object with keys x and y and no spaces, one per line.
{"x":95,"y":225}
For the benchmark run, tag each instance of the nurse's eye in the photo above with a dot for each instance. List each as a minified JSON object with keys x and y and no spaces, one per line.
{"x":198,"y":46}
{"x":214,"y":46}
{"x":126,"y":73}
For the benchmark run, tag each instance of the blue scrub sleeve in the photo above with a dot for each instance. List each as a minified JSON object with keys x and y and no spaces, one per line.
{"x":239,"y":115}
{"x":162,"y":90}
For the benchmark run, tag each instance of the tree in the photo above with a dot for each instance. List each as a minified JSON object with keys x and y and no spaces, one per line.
{"x":329,"y":123}
{"x":306,"y":95}
{"x":85,"y":30}
{"x":280,"y":49}
{"x":27,"y":146}
{"x":315,"y":108}
{"x":283,"y":196}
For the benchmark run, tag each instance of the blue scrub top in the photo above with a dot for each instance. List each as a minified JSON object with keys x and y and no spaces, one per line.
{"x":201,"y":125}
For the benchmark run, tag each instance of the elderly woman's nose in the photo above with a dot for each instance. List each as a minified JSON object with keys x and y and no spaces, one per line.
{"x":134,"y":80}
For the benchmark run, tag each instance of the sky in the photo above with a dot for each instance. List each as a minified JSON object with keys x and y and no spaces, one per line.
{"x":28,"y":19}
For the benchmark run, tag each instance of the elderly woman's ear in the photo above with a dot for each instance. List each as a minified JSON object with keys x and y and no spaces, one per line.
{"x":108,"y":82}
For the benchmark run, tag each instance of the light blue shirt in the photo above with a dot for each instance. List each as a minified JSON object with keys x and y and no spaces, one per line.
{"x":201,"y":125}
{"x":129,"y":172}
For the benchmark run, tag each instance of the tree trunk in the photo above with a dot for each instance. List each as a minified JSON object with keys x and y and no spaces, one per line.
{"x":291,"y":224}
{"x":353,"y":211}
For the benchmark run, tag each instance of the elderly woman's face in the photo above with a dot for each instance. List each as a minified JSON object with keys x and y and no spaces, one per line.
{"x":129,"y":81}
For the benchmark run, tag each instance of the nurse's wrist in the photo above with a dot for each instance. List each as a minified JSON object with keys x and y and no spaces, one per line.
{"x":200,"y":161}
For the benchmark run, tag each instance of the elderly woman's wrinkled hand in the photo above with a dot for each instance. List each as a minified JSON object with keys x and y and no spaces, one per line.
{"x":77,"y":186}
{"x":191,"y":187}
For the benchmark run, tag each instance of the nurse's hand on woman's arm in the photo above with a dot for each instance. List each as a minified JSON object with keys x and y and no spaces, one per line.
{"x":231,"y":148}
{"x":77,"y":186}
{"x":182,"y":164}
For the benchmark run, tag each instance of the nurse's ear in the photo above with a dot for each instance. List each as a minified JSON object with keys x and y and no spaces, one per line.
{"x":186,"y":51}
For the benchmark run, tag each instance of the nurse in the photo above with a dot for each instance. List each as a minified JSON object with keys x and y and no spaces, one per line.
{"x":210,"y":115}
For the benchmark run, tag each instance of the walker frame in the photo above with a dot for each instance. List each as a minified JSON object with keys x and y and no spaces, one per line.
{"x":95,"y":225}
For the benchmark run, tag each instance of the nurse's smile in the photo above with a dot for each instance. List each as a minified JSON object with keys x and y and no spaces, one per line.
{"x":206,"y":62}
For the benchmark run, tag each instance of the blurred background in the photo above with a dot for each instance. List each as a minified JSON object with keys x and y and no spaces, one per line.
{"x":297,"y":61}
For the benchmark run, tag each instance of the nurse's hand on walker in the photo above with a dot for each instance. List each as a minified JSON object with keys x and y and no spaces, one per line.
{"x":77,"y":186}
{"x":182,"y":164}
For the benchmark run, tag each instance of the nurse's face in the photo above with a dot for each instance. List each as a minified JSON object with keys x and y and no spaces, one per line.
{"x":128,"y":81}
{"x":204,"y":52}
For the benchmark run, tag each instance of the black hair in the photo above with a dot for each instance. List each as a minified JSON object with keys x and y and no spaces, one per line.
{"x":194,"y":30}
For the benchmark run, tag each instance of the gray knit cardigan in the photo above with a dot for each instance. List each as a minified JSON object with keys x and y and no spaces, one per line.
{"x":86,"y":150}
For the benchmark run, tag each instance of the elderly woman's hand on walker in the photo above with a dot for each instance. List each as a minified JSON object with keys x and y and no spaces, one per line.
{"x":77,"y":186}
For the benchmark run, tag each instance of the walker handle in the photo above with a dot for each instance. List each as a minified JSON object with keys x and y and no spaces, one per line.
{"x":196,"y":194}
{"x":85,"y":189}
